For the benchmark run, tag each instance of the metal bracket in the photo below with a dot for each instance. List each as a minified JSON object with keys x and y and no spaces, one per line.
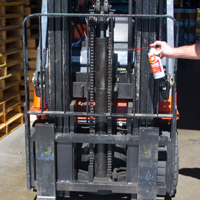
{"x":148,"y":163}
{"x":45,"y":161}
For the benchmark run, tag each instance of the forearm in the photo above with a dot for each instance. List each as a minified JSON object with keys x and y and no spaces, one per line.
{"x":187,"y":52}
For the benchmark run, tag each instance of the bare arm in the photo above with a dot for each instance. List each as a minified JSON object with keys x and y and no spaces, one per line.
{"x":186,"y":52}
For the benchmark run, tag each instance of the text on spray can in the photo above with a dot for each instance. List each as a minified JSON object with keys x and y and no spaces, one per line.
{"x":156,"y":64}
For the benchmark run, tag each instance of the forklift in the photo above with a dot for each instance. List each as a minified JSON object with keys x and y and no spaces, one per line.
{"x":104,"y":125}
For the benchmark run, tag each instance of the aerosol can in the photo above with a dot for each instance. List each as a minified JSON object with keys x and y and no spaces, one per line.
{"x":156,"y":64}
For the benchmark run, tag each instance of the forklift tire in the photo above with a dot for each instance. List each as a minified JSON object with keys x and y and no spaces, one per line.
{"x":176,"y":166}
{"x":162,"y":161}
{"x":168,"y":198}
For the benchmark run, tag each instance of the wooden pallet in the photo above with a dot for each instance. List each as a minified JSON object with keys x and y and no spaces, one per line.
{"x":11,"y":18}
{"x":31,"y":90}
{"x":10,"y":57}
{"x":4,"y":84}
{"x":10,"y":109}
{"x":11,"y":125}
{"x":12,"y":88}
{"x":10,"y":113}
{"x":11,"y":43}
{"x":10,"y":40}
{"x":31,"y":94}
{"x":10,"y":28}
{"x":30,"y":75}
{"x":9,"y":100}
{"x":8,"y":71}
{"x":32,"y":42}
{"x":10,"y":31}
{"x":11,"y":8}
{"x":10,"y":80}
{"x":32,"y":7}
{"x":32,"y":30}
{"x":27,"y":2}
{"x":32,"y":63}
{"x":11,"y":60}
{"x":12,"y":51}
{"x":31,"y":85}
{"x":22,"y":105}
{"x":32,"y":53}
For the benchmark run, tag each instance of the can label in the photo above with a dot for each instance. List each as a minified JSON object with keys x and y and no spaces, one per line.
{"x":156,"y":66}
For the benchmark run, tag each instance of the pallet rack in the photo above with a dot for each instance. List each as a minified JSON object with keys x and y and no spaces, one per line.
{"x":11,"y":65}
{"x":29,"y":8}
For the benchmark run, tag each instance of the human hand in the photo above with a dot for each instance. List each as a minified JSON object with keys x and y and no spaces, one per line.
{"x":163,"y":49}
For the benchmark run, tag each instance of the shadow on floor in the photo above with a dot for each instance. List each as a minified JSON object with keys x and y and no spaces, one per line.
{"x":192,"y":172}
{"x":86,"y":196}
{"x":188,"y":94}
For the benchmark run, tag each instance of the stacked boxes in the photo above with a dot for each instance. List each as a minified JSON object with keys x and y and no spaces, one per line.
{"x":11,"y":65}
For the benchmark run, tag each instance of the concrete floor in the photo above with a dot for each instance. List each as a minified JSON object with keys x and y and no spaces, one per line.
{"x":13,"y":167}
{"x":12,"y":150}
{"x":13,"y":173}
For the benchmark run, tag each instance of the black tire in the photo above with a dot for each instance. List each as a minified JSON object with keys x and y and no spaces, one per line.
{"x":176,"y":166}
{"x":162,"y":162}
{"x":168,"y":197}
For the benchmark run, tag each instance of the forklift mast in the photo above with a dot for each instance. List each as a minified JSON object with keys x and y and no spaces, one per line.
{"x":104,"y":124}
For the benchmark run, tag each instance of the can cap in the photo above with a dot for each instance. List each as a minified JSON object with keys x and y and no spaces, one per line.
{"x":152,"y":50}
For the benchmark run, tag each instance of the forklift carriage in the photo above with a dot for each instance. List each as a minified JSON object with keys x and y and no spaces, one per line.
{"x":104,"y":124}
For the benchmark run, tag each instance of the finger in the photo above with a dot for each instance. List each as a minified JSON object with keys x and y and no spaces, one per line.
{"x":157,"y":43}
{"x":153,"y":44}
{"x":158,"y":52}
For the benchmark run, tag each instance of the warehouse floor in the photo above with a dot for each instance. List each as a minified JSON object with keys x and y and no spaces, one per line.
{"x":12,"y":150}
{"x":13,"y":173}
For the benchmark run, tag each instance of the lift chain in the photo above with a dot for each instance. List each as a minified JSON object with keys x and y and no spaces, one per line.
{"x":91,"y":88}
{"x":110,"y":85}
{"x":91,"y":93}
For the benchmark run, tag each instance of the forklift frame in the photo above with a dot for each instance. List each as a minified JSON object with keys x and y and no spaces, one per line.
{"x":46,"y":136}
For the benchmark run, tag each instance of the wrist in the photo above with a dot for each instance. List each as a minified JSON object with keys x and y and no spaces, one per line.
{"x":178,"y":52}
